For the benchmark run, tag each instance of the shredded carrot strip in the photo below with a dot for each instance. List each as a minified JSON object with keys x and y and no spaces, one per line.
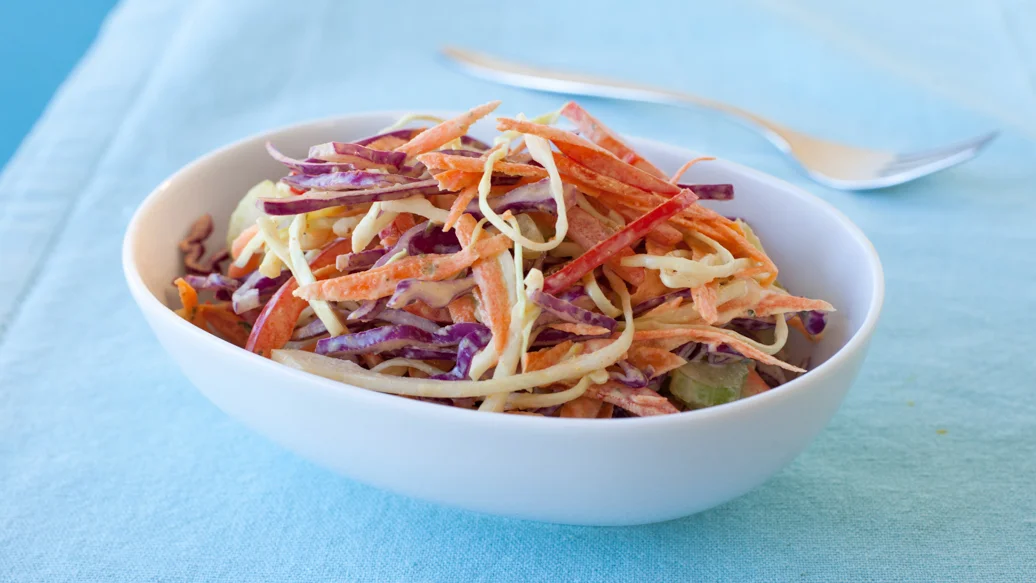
{"x":667,"y":306}
{"x":464,"y":198}
{"x":704,"y":298}
{"x":547,"y":357}
{"x":591,"y":155}
{"x":687,"y":166}
{"x":419,"y":308}
{"x":453,"y":180}
{"x":713,"y":337}
{"x":450,"y":129}
{"x":466,"y":164}
{"x":492,"y":286}
{"x":600,"y":134}
{"x":754,"y":385}
{"x":227,"y":324}
{"x":390,"y":235}
{"x":643,"y":401}
{"x":582,"y":408}
{"x":586,"y":230}
{"x":657,"y":360}
{"x":381,"y":281}
{"x":462,"y":309}
{"x":795,"y":322}
{"x":188,"y":299}
{"x":389,"y":142}
{"x":579,"y":329}
{"x":775,"y":303}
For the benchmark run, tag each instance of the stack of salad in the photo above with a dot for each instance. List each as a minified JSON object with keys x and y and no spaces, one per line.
{"x":551,"y":272}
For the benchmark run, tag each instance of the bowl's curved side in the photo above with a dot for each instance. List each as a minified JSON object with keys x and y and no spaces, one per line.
{"x":561,"y":472}
{"x":575,"y":471}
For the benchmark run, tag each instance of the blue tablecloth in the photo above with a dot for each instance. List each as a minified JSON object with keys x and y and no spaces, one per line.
{"x":113,"y":468}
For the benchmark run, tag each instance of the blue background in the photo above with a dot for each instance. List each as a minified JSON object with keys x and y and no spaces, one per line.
{"x":40,"y":42}
{"x":112,"y":468}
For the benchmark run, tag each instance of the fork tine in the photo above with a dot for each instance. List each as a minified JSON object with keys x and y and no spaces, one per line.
{"x":905,"y":171}
{"x":930,"y":155}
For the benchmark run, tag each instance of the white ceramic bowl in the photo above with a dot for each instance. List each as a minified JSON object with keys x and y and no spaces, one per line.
{"x":578,"y":471}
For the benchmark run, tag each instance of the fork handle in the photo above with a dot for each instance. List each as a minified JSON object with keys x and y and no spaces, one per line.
{"x":551,"y":81}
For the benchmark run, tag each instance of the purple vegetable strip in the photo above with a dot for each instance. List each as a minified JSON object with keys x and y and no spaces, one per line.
{"x":528,"y":198}
{"x":572,"y":294}
{"x":368,"y":310}
{"x":753,"y":324}
{"x":314,"y":328}
{"x":466,"y":351}
{"x":723,"y":354}
{"x":404,"y":318}
{"x":403,"y":134}
{"x":399,"y":336}
{"x":361,"y":260}
{"x":421,"y":354}
{"x":247,"y":297}
{"x":212,"y":282}
{"x":813,"y":321}
{"x":308,"y":166}
{"x":630,"y":376}
{"x":552,"y":337}
{"x":436,"y":294}
{"x":689,"y":351}
{"x":352,"y":180}
{"x":711,"y":191}
{"x":465,"y":153}
{"x":648,"y":305}
{"x":434,"y":241}
{"x":360,"y":156}
{"x":422,"y":239}
{"x":309,"y":202}
{"x":570,"y":312}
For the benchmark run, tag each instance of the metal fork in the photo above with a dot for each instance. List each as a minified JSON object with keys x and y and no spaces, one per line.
{"x":830,"y":163}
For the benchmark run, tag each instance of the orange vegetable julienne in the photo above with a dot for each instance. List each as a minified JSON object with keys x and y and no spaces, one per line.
{"x":754,"y":385}
{"x":227,"y":324}
{"x":453,"y":180}
{"x":592,"y":156}
{"x":667,"y":306}
{"x":492,"y":286}
{"x":704,"y":298}
{"x":714,"y":337}
{"x":419,"y":308}
{"x":587,"y":231}
{"x":462,"y":309}
{"x":243,"y":239}
{"x":381,"y":281}
{"x":582,"y":408}
{"x":687,"y":166}
{"x":188,"y":299}
{"x":660,"y":361}
{"x":547,"y":357}
{"x":448,"y":130}
{"x":276,"y":321}
{"x":795,"y":323}
{"x":778,"y":303}
{"x":600,"y":134}
{"x":578,"y":329}
{"x":464,"y":198}
{"x":643,"y":402}
{"x":466,"y":164}
{"x":391,"y":234}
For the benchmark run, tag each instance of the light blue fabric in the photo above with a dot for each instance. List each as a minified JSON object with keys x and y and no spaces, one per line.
{"x":112,"y":467}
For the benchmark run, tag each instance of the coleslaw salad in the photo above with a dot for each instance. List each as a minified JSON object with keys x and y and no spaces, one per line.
{"x":551,"y":272}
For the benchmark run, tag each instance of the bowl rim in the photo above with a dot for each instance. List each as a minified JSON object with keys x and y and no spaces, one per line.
{"x":148,"y":302}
